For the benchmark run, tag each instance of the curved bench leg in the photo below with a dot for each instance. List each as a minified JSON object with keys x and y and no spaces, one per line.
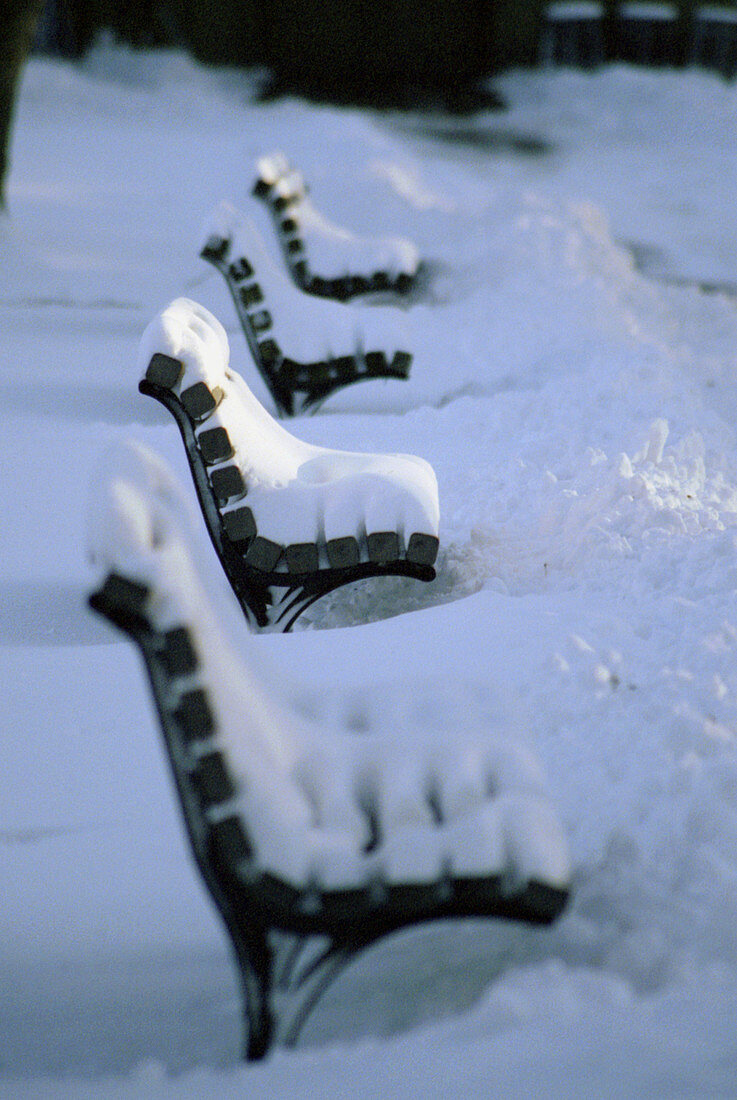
{"x":304,"y":990}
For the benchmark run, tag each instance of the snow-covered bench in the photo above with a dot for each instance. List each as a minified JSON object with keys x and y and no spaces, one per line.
{"x":313,"y":842}
{"x":290,"y":521}
{"x":326,"y":259}
{"x":305,"y":348}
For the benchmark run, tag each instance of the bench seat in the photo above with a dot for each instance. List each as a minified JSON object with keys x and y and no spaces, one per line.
{"x":305,"y":348}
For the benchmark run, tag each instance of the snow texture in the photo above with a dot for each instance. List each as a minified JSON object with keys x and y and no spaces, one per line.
{"x":650,"y":9}
{"x":573,"y":9}
{"x":298,"y":492}
{"x":710,"y":13}
{"x":574,"y":387}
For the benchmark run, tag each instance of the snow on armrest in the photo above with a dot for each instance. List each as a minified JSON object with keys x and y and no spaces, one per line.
{"x":270,"y":168}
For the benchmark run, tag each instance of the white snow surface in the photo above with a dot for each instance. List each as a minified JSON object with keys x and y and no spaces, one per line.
{"x":711,"y":13}
{"x":649,"y":9}
{"x":574,"y":388}
{"x":575,"y":9}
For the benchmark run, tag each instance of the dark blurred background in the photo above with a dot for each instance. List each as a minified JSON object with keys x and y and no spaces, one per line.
{"x":347,"y":50}
{"x":404,"y":53}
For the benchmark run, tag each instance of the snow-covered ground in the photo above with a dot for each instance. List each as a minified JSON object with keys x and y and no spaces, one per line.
{"x":575,"y":388}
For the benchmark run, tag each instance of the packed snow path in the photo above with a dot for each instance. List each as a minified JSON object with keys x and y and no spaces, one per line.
{"x":573,"y":387}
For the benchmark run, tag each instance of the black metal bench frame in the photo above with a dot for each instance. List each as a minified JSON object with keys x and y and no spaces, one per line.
{"x":270,"y":598}
{"x":295,"y":387}
{"x":285,"y":940}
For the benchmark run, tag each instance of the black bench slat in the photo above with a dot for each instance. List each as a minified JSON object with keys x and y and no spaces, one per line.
{"x":194,"y":716}
{"x":178,"y":652}
{"x":199,"y":400}
{"x":163,"y":370}
{"x":227,"y":482}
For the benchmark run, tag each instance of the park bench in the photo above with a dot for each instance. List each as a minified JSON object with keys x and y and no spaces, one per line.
{"x":290,"y":521}
{"x":314,"y":842}
{"x":305,"y":348}
{"x":323,"y":258}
